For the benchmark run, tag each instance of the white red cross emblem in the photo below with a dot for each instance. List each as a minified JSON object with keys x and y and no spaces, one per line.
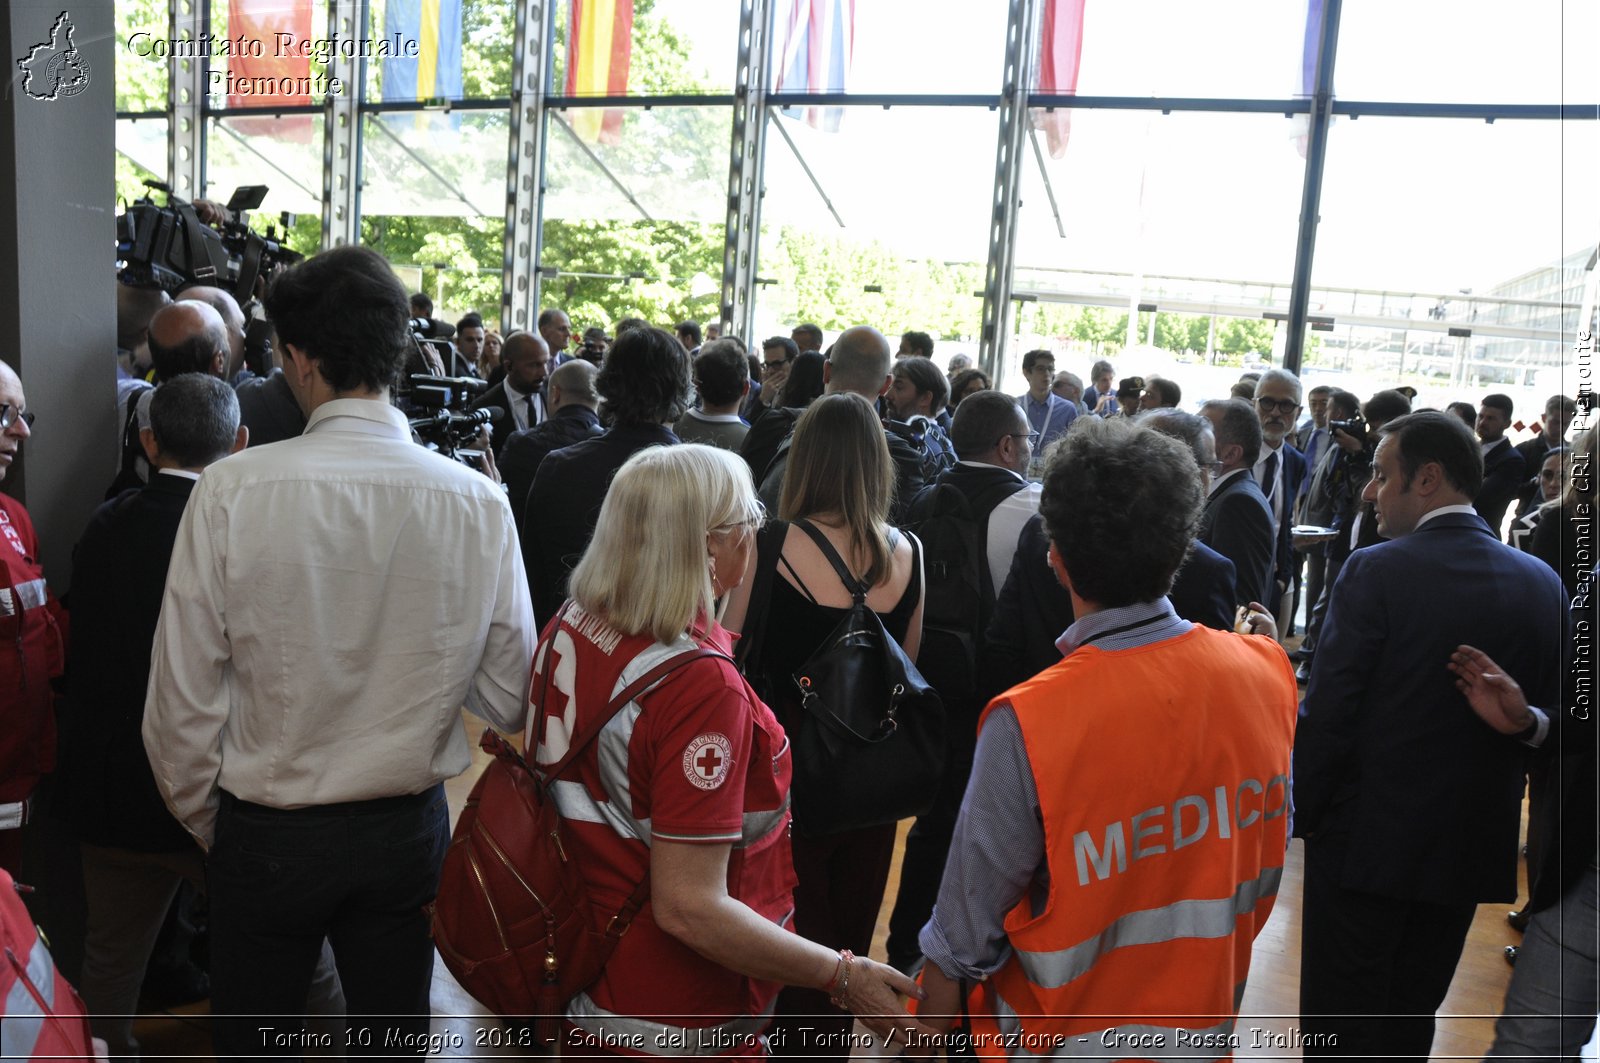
{"x":706,"y":760}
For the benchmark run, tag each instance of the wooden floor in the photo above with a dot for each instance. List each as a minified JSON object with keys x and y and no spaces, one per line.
{"x":1466,"y":1022}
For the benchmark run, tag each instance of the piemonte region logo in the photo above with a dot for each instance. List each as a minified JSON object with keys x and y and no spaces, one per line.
{"x":55,"y":68}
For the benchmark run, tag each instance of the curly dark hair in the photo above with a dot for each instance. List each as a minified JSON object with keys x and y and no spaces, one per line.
{"x":348,"y":312}
{"x":1127,"y":546}
{"x":645,"y":378}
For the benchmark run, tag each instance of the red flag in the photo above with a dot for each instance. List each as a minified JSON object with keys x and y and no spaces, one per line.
{"x":277,"y":59}
{"x":599,"y":52}
{"x":1060,"y":51}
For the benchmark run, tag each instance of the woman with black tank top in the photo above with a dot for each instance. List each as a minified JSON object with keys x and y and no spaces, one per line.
{"x":839,"y":480}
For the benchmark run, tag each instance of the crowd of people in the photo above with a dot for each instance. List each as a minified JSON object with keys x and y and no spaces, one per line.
{"x":283,"y":606}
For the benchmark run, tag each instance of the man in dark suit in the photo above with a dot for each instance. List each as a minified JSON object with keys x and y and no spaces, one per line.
{"x":1236,"y":521}
{"x":1503,"y":471}
{"x":645,"y":386}
{"x":572,"y":420}
{"x":522,"y":393}
{"x":135,"y":854}
{"x":1410,"y":805}
{"x":1559,"y":411}
{"x":1280,"y":469}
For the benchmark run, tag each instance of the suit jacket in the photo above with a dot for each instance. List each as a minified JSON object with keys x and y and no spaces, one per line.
{"x":119,"y":573}
{"x":564,"y":505}
{"x":525,"y":449}
{"x":504,"y":426}
{"x":1388,"y":754}
{"x":268,"y":408}
{"x":1502,"y":479}
{"x":1237,"y":523}
{"x":1033,"y":609}
{"x":1294,"y":477}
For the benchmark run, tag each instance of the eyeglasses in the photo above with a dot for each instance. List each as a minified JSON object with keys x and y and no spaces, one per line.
{"x":1214,"y":466}
{"x":758,"y":522}
{"x":1266,"y":405}
{"x":9,"y":415}
{"x":1031,"y":437}
{"x":770,"y":366}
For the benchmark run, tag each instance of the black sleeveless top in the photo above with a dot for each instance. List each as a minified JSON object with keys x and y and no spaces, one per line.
{"x":796,"y":625}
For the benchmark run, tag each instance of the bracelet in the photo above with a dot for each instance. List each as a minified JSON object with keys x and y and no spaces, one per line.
{"x":839,"y":985}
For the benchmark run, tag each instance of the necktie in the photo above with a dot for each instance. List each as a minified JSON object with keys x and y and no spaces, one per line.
{"x":531,"y":420}
{"x":1269,"y":476}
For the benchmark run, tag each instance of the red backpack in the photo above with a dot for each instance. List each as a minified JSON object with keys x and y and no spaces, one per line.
{"x":513,"y":920}
{"x":43,"y":1016}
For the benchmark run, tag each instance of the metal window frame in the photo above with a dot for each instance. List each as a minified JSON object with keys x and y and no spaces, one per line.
{"x":521,"y":280}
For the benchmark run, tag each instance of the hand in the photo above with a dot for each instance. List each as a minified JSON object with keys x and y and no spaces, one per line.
{"x":486,"y":463}
{"x":1350,"y":443}
{"x":938,"y":1009}
{"x":1493,"y":695}
{"x":874,"y":998}
{"x":210,"y":211}
{"x":1256,"y":619}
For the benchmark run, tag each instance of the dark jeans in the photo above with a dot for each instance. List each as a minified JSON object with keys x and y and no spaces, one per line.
{"x":358,"y":874}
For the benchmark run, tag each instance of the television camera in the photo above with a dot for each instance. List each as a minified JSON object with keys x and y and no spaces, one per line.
{"x":169,"y":246}
{"x":437,"y":409}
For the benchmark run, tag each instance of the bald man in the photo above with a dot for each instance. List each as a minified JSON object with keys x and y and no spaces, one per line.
{"x":232,"y":317}
{"x":185,"y":337}
{"x":522,"y":394}
{"x":859,"y":362}
{"x":573,"y":418}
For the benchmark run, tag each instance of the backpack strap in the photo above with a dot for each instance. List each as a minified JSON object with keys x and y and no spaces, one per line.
{"x":857,"y":588}
{"x":618,"y":703}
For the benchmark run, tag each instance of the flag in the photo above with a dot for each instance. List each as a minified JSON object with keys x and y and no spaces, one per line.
{"x":262,"y":21}
{"x":816,"y":41}
{"x":1308,"y":69}
{"x":599,"y":51}
{"x":1060,"y":52}
{"x":436,"y":71}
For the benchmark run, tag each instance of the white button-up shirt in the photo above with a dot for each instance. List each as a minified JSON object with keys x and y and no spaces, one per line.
{"x":332,"y":602}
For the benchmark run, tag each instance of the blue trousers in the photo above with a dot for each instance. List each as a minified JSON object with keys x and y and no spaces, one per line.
{"x":358,"y":874}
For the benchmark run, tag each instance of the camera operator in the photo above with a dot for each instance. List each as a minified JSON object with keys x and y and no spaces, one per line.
{"x":1338,"y":484}
{"x":332,"y":603}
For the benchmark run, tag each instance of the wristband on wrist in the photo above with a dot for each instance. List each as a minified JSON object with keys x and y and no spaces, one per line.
{"x":838,"y":986}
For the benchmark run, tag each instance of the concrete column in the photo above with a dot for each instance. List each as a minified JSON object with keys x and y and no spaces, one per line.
{"x":57,"y":273}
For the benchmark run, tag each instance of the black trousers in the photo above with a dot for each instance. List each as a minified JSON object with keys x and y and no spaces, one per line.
{"x":1373,"y":969}
{"x":358,"y":874}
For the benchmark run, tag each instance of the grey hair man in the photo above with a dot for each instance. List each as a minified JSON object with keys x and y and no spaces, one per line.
{"x":1236,"y":521}
{"x":573,"y":418}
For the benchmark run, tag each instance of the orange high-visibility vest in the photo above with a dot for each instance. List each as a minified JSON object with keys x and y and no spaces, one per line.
{"x":1163,"y":782}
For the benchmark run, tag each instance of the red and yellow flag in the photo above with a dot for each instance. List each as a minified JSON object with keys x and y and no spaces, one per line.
{"x":599,"y":49}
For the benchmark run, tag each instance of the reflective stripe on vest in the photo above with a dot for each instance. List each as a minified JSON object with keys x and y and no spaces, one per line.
{"x":24,"y":1017}
{"x":29,"y":595}
{"x":1216,"y":918}
{"x":575,"y":802}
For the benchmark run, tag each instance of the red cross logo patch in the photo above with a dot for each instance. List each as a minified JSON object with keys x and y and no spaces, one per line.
{"x":706,"y":760}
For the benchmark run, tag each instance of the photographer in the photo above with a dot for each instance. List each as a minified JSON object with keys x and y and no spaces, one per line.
{"x":1337,"y":486}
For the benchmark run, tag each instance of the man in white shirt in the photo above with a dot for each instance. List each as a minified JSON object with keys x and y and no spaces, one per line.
{"x":332,"y":602}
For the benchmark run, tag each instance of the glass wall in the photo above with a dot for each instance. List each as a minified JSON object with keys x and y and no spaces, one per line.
{"x":1171,"y":226}
{"x":884,"y":220}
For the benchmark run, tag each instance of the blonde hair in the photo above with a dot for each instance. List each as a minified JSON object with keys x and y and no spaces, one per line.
{"x":839,"y":466}
{"x":647,"y":568}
